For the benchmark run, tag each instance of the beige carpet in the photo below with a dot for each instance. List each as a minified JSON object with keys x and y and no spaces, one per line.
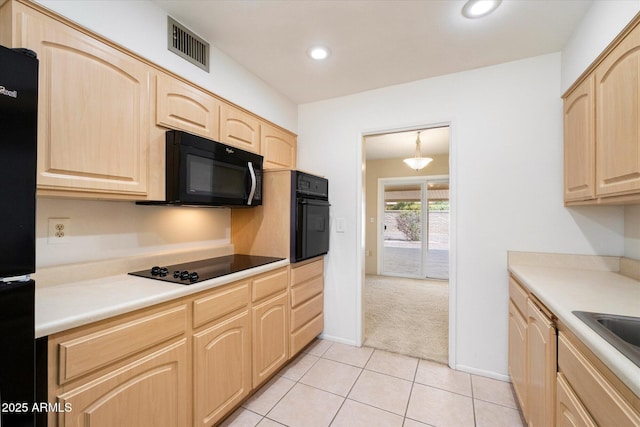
{"x":407,"y":316}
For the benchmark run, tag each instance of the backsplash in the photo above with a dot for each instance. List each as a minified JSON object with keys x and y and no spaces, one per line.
{"x":630,"y":268}
{"x":98,"y":230}
{"x":632,"y":231}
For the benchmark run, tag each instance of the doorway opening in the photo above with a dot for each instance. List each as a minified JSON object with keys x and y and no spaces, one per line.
{"x":406,"y":288}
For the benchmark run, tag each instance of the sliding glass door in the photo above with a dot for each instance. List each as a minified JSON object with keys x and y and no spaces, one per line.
{"x":414,"y":227}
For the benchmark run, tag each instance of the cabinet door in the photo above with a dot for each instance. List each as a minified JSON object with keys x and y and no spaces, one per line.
{"x":579,"y":148}
{"x":607,"y":403}
{"x":270,"y":337}
{"x":278,"y":148}
{"x":150,"y":392}
{"x":222,"y":357}
{"x":93,"y":111}
{"x":185,"y":107}
{"x":518,"y":354}
{"x":542,"y":348}
{"x":569,"y":410}
{"x":617,"y":127}
{"x":239,"y":129}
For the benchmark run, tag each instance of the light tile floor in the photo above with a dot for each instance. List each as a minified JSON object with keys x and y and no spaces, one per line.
{"x":332,"y":384}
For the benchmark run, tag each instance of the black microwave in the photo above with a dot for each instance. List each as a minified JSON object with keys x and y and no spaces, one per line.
{"x":202,"y":172}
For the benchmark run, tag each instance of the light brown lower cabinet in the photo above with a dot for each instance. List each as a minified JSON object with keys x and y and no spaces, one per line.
{"x":541,"y":369}
{"x":270,"y":337}
{"x":146,"y":392}
{"x":222,"y":361}
{"x":569,"y":410}
{"x":532,"y":356}
{"x":129,"y":371}
{"x":221,"y":352}
{"x":607,"y":401}
{"x":307,"y":303}
{"x":557,"y":379}
{"x":188,"y":362}
{"x":518,"y":359}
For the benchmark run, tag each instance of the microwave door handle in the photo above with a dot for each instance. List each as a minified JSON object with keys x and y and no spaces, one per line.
{"x":252,"y":192}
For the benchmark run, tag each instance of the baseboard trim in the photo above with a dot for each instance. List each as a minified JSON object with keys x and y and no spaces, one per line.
{"x":338,"y":340}
{"x":483,"y":373}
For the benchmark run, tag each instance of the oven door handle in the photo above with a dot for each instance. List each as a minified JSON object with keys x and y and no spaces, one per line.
{"x":252,"y":192}
{"x":314,"y":202}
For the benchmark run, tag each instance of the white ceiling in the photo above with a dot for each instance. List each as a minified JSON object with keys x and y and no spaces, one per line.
{"x":374,"y":43}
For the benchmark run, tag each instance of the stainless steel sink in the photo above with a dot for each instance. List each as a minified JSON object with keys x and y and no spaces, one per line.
{"x":622,"y":332}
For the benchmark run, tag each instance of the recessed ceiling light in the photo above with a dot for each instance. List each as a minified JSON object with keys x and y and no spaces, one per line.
{"x":478,"y":8}
{"x":319,"y":53}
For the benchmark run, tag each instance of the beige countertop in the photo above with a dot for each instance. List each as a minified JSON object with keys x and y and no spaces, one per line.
{"x":63,"y":306}
{"x":581,"y":286}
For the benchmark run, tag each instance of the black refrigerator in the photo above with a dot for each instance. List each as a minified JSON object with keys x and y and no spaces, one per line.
{"x":18,"y":141}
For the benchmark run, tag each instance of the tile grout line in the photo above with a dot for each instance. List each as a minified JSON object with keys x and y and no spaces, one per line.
{"x":352,"y":385}
{"x":288,"y":391}
{"x":473,"y":401}
{"x":413,"y":383}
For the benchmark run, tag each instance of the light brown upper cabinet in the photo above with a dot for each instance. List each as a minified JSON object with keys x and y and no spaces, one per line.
{"x":278,"y":148}
{"x":617,"y":127}
{"x":239,"y":129}
{"x":579,"y":143}
{"x":602,"y":129}
{"x":182,"y":106}
{"x":93,"y":111}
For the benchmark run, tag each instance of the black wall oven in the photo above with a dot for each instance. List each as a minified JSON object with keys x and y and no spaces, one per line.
{"x":310,"y":220}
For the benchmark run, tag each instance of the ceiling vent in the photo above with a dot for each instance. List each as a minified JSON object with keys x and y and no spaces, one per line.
{"x":185,"y":43}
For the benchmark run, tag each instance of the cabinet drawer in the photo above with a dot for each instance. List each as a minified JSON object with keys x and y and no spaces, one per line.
{"x":306,"y":334}
{"x":220,"y":303}
{"x":89,"y":352}
{"x":306,"y":312}
{"x":309,"y":289}
{"x":602,"y":400}
{"x":270,"y":284}
{"x":306,"y":272}
{"x":518,"y":295}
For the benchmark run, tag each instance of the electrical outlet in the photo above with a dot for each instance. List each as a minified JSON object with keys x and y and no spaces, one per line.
{"x":59,"y":230}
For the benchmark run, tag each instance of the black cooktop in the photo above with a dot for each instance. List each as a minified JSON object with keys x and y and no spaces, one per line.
{"x":189,"y":273}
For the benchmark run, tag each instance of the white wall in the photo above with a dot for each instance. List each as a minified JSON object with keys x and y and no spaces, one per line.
{"x":102,"y":230}
{"x":506,"y":175}
{"x":601,"y":24}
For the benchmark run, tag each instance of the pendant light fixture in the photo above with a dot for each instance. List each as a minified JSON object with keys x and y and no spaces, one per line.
{"x":418,"y":162}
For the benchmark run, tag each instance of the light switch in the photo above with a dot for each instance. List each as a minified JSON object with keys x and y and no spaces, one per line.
{"x":341,"y":225}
